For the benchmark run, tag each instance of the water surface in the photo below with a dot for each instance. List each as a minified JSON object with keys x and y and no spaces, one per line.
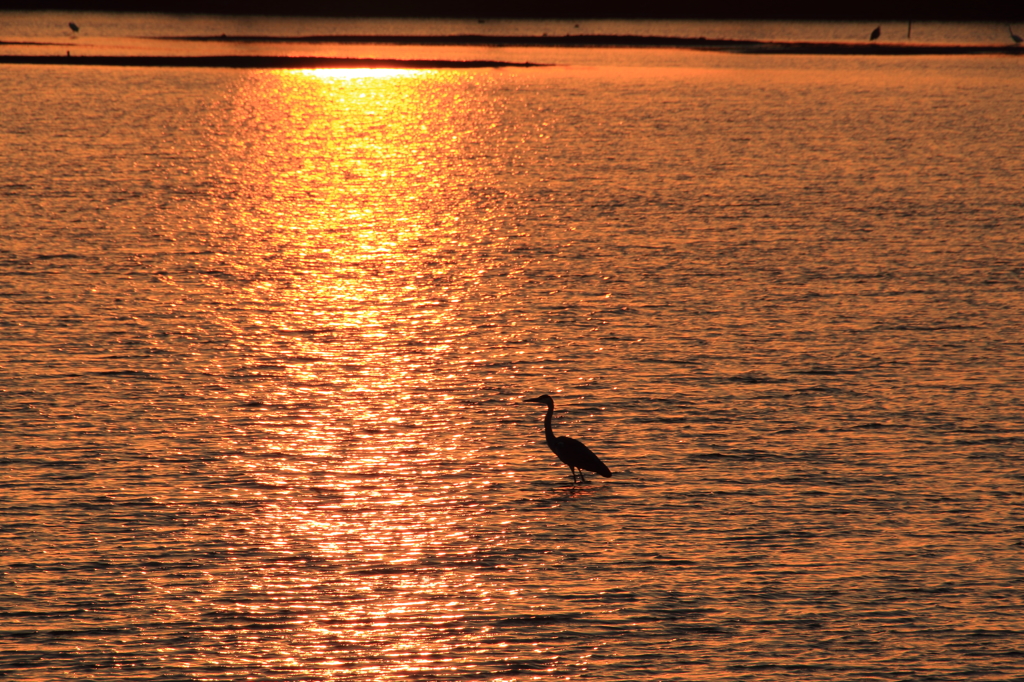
{"x":266,"y":336}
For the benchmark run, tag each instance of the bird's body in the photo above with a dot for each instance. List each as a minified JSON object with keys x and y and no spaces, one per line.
{"x":1013,"y":36}
{"x":73,"y":26}
{"x":570,"y":451}
{"x":877,"y":32}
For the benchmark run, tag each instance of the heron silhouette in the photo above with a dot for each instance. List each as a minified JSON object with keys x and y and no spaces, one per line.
{"x":573,"y":453}
{"x":877,"y":32}
{"x":73,"y":26}
{"x":1014,"y":37}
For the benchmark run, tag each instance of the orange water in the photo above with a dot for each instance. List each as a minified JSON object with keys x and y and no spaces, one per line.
{"x":265,"y":337}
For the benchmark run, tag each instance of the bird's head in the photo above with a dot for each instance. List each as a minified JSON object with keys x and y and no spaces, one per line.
{"x":543,"y":399}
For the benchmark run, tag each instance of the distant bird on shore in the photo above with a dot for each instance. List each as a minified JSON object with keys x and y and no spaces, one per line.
{"x":877,"y":32}
{"x":1013,"y":36}
{"x":573,"y":453}
{"x":74,"y":26}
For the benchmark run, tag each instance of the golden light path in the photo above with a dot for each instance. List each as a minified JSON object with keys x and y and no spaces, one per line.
{"x":354,"y":253}
{"x":360,"y":74}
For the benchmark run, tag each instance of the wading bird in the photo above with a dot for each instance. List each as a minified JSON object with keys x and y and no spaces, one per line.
{"x":573,"y":453}
{"x":877,"y":32}
{"x":1013,"y":36}
{"x":74,"y":26}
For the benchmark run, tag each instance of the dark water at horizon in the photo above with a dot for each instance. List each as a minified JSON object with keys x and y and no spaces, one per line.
{"x":265,"y":337}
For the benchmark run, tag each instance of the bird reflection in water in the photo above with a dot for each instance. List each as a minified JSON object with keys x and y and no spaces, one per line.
{"x":573,"y":453}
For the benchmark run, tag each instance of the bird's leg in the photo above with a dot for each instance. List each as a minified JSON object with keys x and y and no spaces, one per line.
{"x":572,"y":470}
{"x":581,"y":476}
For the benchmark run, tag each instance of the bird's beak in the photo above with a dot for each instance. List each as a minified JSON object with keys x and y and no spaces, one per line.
{"x":532,"y":400}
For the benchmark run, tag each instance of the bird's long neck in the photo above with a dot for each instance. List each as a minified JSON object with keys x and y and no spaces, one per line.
{"x":549,"y":435}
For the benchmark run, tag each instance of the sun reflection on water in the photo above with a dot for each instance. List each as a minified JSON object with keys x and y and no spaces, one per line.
{"x":356,"y":74}
{"x":351,"y":234}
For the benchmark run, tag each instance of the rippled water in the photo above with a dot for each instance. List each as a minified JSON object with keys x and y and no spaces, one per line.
{"x":266,"y":335}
